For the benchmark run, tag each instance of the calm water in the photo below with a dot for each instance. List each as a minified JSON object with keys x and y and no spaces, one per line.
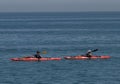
{"x":60,"y":34}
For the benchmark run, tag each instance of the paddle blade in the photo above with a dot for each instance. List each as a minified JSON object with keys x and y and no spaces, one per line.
{"x":44,"y":52}
{"x":95,"y":50}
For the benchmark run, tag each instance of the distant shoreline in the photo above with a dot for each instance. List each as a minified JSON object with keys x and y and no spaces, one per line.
{"x":65,"y":12}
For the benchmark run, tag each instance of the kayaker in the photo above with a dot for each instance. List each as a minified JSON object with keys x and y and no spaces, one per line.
{"x":37,"y":55}
{"x":89,"y":53}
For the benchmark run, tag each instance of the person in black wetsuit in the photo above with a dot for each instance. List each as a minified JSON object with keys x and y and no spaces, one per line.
{"x":89,"y":53}
{"x":37,"y":55}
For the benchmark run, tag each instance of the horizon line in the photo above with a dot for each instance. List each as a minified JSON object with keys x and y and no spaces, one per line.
{"x":52,"y":11}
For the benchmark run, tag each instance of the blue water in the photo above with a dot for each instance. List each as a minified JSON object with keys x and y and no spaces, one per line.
{"x":60,"y":34}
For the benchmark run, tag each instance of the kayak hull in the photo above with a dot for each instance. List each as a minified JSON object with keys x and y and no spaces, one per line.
{"x":35,"y":59}
{"x":84,"y":57}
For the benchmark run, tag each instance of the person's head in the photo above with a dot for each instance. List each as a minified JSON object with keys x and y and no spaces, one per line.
{"x":38,"y":52}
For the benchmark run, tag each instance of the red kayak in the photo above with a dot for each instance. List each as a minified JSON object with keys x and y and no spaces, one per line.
{"x":35,"y":59}
{"x":80,"y":57}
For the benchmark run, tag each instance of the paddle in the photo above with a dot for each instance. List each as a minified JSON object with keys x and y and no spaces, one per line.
{"x":88,"y":53}
{"x":44,"y":52}
{"x":94,"y":50}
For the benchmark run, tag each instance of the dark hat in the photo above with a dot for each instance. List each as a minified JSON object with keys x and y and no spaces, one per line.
{"x":38,"y":52}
